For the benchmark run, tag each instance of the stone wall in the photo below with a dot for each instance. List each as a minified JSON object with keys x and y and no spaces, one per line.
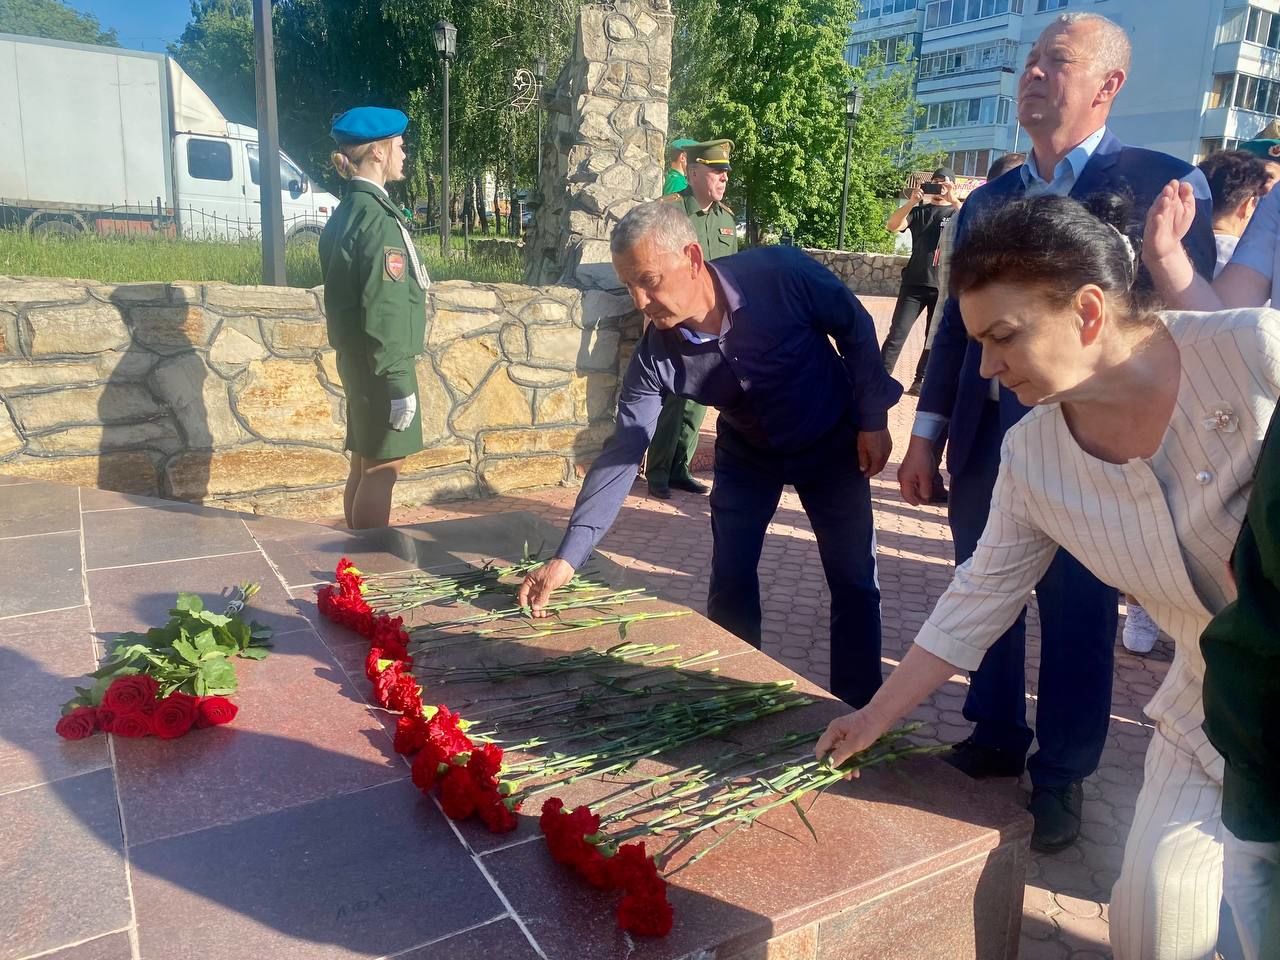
{"x":229,"y":395}
{"x":605,"y":140}
{"x":866,"y":274}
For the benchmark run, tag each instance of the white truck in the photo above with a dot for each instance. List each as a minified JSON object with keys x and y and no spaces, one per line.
{"x":105,"y":140}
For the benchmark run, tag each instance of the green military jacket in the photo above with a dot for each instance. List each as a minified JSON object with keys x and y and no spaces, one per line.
{"x":1241,"y":649}
{"x":374,"y":287}
{"x":674,"y":181}
{"x":716,"y":229}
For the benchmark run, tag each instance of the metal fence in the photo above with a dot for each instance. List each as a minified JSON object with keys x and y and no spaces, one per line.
{"x":189,"y":221}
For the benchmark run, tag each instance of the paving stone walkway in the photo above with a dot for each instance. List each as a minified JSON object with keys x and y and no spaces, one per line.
{"x":669,"y":545}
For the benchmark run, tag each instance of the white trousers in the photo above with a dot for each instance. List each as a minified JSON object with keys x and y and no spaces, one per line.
{"x":1249,"y":869}
{"x":1165,"y":904}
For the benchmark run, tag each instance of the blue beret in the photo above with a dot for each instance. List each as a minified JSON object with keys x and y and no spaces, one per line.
{"x":367,"y":124}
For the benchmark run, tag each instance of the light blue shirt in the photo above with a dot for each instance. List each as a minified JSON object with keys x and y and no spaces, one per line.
{"x":1257,"y":248}
{"x":1066,"y":173}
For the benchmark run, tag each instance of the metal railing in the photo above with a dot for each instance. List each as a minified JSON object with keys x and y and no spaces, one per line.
{"x":188,"y":221}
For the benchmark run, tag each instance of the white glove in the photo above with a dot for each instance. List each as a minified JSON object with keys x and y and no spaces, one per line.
{"x":402,"y":412}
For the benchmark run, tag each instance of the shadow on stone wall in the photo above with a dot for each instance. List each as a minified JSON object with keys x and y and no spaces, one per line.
{"x":154,"y":399}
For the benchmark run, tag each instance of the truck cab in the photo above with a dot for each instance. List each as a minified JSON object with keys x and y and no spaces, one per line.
{"x":219,"y":189}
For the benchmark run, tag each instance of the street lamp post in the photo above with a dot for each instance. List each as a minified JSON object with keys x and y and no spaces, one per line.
{"x":852,"y":107}
{"x":445,"y":35}
{"x":540,"y":75}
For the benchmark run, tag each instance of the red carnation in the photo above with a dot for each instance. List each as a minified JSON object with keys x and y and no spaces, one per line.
{"x":404,"y":695}
{"x":647,"y":916}
{"x":426,"y":767}
{"x":551,"y":808}
{"x":484,"y":764}
{"x":389,"y":633}
{"x":384,"y":683}
{"x":132,"y":694}
{"x":495,"y":813}
{"x":634,"y":871}
{"x":457,"y":794}
{"x":215,"y":711}
{"x":78,"y":724}
{"x":411,"y":734}
{"x":371,"y":668}
{"x":175,"y":715}
{"x":593,"y":867}
{"x":132,"y":725}
{"x":445,"y":731}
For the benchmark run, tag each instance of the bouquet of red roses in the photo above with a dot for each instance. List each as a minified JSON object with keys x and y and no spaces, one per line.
{"x":132,"y":707}
{"x":171,"y":679}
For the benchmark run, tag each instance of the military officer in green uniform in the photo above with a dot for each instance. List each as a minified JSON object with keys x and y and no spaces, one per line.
{"x":675,"y":436}
{"x":375,"y":305}
{"x":677,"y":164}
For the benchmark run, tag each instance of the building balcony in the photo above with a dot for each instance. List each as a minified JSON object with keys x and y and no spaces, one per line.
{"x":1243,"y":57}
{"x":1231,"y":123}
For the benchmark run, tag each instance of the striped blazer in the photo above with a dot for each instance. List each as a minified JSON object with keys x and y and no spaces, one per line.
{"x":1162,"y":530}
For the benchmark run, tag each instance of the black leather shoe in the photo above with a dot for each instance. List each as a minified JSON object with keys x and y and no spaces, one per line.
{"x":660,"y":490}
{"x":981,"y":762}
{"x":689,"y":484}
{"x":1057,"y":814}
{"x":915,"y":388}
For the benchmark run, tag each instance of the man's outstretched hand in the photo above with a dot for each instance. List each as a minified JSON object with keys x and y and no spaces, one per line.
{"x":541,"y":582}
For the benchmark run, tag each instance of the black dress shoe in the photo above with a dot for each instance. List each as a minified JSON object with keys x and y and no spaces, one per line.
{"x":689,"y":484}
{"x":660,"y":490}
{"x":915,"y":388}
{"x":1057,"y":814}
{"x":981,"y":762}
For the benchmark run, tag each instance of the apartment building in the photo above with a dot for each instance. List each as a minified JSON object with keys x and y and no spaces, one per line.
{"x":1205,"y":74}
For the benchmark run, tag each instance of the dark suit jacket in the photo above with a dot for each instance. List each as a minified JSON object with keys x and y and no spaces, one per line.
{"x":952,"y":386}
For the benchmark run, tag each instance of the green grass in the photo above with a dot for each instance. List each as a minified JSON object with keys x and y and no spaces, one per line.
{"x":153,"y":260}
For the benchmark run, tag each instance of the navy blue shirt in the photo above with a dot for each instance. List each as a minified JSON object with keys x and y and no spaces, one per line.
{"x":774,"y":374}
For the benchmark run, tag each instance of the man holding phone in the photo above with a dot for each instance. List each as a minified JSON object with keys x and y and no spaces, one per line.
{"x":927,"y":210}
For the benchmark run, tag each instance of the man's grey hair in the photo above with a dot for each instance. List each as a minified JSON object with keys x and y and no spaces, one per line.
{"x":1113,"y":50}
{"x":663,"y":222}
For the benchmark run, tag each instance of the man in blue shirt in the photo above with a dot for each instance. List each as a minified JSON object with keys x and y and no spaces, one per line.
{"x":1071,"y":78}
{"x":751,"y":334}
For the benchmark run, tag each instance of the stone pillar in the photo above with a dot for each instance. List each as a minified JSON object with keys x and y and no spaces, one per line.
{"x":604,"y":143}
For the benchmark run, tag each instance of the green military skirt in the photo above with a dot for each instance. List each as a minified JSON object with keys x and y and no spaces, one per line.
{"x":369,"y":410}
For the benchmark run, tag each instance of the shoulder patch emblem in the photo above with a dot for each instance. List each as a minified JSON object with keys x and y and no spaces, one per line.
{"x":393,"y":262}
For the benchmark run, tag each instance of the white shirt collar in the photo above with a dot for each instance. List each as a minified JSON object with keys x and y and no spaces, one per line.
{"x":381,"y":189}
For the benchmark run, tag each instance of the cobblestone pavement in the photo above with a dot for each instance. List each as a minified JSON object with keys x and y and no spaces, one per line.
{"x":1065,"y":913}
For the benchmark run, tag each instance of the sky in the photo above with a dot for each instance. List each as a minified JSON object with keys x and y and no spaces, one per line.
{"x":142,"y":24}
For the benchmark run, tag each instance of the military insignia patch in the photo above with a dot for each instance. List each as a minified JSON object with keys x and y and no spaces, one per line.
{"x":726,"y":231}
{"x":1275,"y":150}
{"x":393,"y":261}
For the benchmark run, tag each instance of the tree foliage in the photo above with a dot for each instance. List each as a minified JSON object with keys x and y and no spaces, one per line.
{"x":53,"y":20}
{"x":771,"y":76}
{"x":332,"y":55}
{"x":216,"y":48}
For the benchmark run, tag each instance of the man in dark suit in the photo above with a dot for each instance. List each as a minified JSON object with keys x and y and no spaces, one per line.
{"x":1071,"y":78}
{"x":775,"y":342}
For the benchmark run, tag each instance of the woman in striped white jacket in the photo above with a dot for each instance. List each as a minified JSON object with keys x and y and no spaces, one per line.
{"x":1138,"y":460}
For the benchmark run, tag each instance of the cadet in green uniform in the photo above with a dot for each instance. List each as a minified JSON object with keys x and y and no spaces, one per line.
{"x":675,"y":436}
{"x":375,"y":305}
{"x":677,"y":164}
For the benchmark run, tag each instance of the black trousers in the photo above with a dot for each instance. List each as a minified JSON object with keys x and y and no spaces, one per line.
{"x":1078,"y":620}
{"x":837,"y":500}
{"x":912,"y":298}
